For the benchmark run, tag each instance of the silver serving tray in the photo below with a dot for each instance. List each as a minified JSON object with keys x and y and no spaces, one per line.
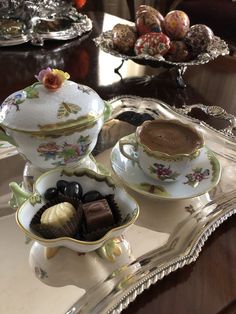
{"x":45,"y":28}
{"x":216,"y":48}
{"x":186,"y":223}
{"x":167,"y":234}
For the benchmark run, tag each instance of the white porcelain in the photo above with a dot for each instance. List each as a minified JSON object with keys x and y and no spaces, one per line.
{"x":89,"y":180}
{"x":157,"y":164}
{"x":53,"y":128}
{"x":21,"y":191}
{"x":198,"y":178}
{"x":62,"y":266}
{"x":31,"y":173}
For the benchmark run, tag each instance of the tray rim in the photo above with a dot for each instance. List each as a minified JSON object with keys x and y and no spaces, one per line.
{"x":212,"y":110}
{"x":163,"y":272}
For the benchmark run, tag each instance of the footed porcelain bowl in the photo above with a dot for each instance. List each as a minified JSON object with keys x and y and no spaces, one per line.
{"x":59,"y":267}
{"x":89,"y":180}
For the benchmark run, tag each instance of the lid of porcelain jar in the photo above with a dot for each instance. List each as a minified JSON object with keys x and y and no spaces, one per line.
{"x":40,"y":108}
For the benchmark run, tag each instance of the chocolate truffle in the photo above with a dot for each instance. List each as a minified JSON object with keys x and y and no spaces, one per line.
{"x":97,"y":215}
{"x":59,"y":220}
{"x":58,"y":214}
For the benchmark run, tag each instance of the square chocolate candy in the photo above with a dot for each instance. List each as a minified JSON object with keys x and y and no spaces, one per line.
{"x":97,"y":215}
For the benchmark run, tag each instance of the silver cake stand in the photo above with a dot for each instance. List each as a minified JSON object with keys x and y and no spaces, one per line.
{"x":216,"y":48}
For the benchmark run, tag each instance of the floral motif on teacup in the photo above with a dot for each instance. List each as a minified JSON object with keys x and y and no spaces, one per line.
{"x":163,"y":172}
{"x":196,"y":176}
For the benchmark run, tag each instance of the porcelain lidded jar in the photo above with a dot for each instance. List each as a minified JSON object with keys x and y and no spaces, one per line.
{"x":54,"y":122}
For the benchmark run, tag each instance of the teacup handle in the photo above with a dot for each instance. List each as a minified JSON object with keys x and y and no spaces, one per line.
{"x":124,"y":142}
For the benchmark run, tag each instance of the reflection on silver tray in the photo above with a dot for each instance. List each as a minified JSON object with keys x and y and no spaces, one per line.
{"x":167,"y":235}
{"x":15,"y":31}
{"x":187,"y":223}
{"x":218,"y":47}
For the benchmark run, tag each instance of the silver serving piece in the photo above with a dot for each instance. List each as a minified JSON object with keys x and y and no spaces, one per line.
{"x":36,"y":21}
{"x":172,"y":233}
{"x":218,"y":47}
{"x":196,"y":218}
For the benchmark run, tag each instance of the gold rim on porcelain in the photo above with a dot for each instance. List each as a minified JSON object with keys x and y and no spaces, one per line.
{"x":56,"y":129}
{"x":166,"y":156}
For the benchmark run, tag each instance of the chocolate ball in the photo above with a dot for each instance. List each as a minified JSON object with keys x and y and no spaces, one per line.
{"x":91,"y":196}
{"x":73,"y":190}
{"x":51,"y":194}
{"x":61,"y":185}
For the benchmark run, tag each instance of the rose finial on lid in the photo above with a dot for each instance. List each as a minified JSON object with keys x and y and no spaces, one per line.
{"x":52,"y":79}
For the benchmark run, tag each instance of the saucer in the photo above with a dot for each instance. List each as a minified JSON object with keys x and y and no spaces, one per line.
{"x":199,"y":178}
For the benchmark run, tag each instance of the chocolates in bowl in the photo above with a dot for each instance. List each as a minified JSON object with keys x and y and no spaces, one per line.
{"x":104,"y":209}
{"x":70,"y":213}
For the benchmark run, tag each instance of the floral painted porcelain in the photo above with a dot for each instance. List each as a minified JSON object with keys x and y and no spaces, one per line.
{"x":54,"y":122}
{"x":199,"y":177}
{"x":89,"y":180}
{"x":161,"y":165}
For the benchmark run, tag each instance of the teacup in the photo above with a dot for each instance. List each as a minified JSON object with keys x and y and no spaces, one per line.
{"x":164,"y":148}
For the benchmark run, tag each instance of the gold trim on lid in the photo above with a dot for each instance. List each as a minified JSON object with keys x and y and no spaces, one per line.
{"x":61,"y":128}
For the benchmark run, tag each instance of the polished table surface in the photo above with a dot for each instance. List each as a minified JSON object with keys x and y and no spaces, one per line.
{"x":208,"y":285}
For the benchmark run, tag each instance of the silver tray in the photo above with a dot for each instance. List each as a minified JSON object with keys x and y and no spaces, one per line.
{"x":216,"y":48}
{"x":167,"y":234}
{"x":44,"y":28}
{"x":186,"y":224}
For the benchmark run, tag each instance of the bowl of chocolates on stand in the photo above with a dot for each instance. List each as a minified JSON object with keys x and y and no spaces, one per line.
{"x":168,"y":40}
{"x":78,"y":209}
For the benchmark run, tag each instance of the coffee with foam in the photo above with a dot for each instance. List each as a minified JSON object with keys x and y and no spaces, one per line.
{"x":170,"y":137}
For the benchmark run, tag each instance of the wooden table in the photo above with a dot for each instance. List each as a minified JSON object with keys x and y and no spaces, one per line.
{"x":208,"y":285}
